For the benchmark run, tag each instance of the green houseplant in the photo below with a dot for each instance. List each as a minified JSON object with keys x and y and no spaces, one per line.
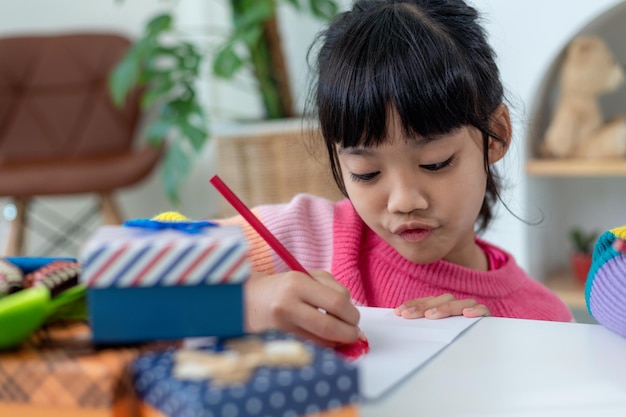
{"x":167,"y":68}
{"x":582,"y":250}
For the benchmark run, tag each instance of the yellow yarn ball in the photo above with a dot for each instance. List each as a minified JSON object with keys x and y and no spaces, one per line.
{"x":170,"y":216}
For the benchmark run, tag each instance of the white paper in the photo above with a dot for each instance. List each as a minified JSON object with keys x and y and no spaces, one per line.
{"x":398,"y":347}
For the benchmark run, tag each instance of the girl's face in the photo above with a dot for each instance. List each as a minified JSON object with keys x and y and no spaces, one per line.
{"x":422,"y":197}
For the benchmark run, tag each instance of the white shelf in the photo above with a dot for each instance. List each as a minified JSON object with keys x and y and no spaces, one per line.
{"x":567,"y":288}
{"x":576,"y":167}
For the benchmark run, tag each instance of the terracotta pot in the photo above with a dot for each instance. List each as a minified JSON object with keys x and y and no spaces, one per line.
{"x":581,"y":263}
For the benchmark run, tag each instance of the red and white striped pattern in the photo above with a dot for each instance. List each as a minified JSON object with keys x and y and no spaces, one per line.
{"x":133,"y":257}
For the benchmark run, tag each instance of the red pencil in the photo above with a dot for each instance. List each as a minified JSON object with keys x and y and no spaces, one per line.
{"x":245,"y":212}
{"x":350,"y":351}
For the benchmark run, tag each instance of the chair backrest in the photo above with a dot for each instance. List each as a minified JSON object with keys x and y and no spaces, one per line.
{"x":54,"y":100}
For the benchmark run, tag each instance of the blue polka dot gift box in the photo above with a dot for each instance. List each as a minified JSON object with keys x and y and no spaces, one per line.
{"x":164,"y":278}
{"x":267,"y":375}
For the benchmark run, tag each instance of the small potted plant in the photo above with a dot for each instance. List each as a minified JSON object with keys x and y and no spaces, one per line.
{"x":580,"y":258}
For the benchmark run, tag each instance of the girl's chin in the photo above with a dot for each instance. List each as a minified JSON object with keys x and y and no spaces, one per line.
{"x":418,"y":256}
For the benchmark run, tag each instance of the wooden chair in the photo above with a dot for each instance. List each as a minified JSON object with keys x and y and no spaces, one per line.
{"x":60,"y":134}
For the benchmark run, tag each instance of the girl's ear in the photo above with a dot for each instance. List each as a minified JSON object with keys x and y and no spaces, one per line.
{"x":501,"y":126}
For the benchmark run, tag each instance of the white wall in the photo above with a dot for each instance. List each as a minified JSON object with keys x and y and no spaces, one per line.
{"x":42,"y":16}
{"x":526,"y":34}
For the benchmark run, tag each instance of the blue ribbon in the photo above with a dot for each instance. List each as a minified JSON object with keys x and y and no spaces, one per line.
{"x":191,"y":227}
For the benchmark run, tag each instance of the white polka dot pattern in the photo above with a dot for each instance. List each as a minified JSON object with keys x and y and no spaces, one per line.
{"x":328,"y":383}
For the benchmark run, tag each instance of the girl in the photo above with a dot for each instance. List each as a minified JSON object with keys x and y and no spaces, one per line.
{"x":411,"y":109}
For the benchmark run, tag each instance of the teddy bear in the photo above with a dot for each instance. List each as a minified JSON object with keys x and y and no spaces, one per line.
{"x":577,"y":128}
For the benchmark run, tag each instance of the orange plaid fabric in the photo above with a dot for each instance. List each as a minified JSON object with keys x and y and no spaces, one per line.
{"x":61,"y":369}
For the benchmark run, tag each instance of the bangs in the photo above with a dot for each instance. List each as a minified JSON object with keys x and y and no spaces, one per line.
{"x":398,"y":60}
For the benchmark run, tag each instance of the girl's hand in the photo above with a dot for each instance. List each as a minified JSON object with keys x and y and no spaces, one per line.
{"x":439,"y":307}
{"x":292,"y":301}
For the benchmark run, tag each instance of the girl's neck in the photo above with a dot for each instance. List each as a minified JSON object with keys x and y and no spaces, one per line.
{"x":469,"y":255}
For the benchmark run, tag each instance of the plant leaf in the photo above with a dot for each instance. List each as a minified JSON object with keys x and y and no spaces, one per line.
{"x":157,"y":131}
{"x":254,"y":13}
{"x":123,"y":79}
{"x":227,"y":62}
{"x":250,"y":36}
{"x":127,"y":73}
{"x":196,"y":135}
{"x":159,"y":24}
{"x":175,"y":169}
{"x":156,"y":92}
{"x":295,"y":4}
{"x":583,"y":241}
{"x":324,"y":9}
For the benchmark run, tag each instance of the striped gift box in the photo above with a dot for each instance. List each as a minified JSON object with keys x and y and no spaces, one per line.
{"x":136,"y":257}
{"x":148,"y":284}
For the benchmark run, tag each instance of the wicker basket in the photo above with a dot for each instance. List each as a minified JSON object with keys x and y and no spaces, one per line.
{"x":273,"y":167}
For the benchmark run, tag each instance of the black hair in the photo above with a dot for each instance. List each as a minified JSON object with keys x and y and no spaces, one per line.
{"x":428,"y":60}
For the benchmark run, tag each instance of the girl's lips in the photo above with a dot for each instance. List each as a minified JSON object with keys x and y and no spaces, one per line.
{"x":415,"y":235}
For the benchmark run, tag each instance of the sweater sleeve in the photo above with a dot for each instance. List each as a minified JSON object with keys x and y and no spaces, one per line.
{"x":260,"y":253}
{"x":304,"y":226}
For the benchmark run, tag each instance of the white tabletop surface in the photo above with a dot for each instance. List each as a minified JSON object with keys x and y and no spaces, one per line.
{"x":520,"y":368}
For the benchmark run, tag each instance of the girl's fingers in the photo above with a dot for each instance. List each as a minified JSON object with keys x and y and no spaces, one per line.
{"x":300,"y":332}
{"x":321,"y":327}
{"x":338,"y":319}
{"x":292,"y":302}
{"x":445,"y":305}
{"x":450,"y":308}
{"x":416,"y":308}
{"x":479,"y":310}
{"x":331,"y":297}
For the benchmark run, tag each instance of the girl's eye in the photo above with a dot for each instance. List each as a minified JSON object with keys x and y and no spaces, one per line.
{"x":438,"y":165}
{"x":364,"y":177}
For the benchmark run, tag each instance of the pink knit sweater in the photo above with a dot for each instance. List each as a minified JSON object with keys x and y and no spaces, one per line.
{"x":329,"y":236}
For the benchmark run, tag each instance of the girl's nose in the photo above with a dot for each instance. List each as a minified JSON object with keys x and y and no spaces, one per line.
{"x":405,"y":196}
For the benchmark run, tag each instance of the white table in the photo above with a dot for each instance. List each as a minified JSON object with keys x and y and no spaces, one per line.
{"x":520,"y":368}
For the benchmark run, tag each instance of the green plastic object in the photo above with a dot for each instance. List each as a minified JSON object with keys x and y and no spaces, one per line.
{"x":21,"y":314}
